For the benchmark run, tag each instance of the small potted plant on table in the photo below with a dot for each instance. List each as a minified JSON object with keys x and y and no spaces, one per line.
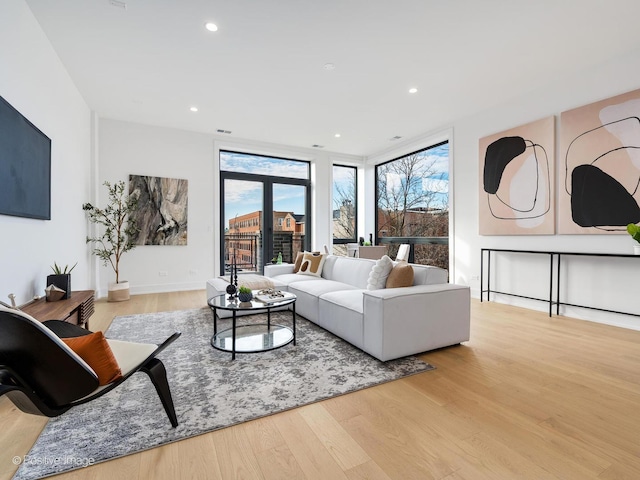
{"x":245,"y":294}
{"x":61,"y":278}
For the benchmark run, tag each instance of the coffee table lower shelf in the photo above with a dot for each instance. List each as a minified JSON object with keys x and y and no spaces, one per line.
{"x":253,"y":338}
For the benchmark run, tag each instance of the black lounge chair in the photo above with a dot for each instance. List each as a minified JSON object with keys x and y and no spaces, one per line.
{"x":41,"y":375}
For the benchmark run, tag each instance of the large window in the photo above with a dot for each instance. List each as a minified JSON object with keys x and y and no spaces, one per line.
{"x":345,"y":207}
{"x":412,"y":197}
{"x":265,"y":209}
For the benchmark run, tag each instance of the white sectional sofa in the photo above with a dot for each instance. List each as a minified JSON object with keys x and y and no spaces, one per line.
{"x":386,"y":323}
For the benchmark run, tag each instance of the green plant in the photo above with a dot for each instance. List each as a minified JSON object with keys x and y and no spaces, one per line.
{"x":634,"y":231}
{"x":57,"y":269}
{"x":119,"y":228}
{"x":244,"y":289}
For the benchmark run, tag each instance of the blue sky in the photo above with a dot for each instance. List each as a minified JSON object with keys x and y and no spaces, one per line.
{"x":243,"y":197}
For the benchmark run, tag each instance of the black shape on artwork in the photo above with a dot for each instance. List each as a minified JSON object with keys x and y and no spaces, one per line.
{"x":496,"y":159}
{"x":498,"y":155}
{"x":599,"y":199}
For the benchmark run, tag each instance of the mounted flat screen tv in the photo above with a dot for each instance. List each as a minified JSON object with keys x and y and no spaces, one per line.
{"x":25,"y":166}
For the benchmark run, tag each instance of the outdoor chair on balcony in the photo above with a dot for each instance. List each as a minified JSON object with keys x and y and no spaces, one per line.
{"x":403,"y":253}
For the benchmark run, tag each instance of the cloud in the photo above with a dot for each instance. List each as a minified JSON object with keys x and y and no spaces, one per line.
{"x":246,"y":163}
{"x":239,"y":191}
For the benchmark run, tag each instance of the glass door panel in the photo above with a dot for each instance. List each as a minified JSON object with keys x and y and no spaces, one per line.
{"x":289,"y":221}
{"x":243,"y":225}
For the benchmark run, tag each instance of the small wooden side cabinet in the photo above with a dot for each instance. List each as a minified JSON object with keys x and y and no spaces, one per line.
{"x":76,"y":310}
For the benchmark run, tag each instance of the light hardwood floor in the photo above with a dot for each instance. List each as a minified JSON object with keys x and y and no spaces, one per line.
{"x":529,"y":397}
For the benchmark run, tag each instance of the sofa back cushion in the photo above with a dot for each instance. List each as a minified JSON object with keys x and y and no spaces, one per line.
{"x":429,"y":275}
{"x":353,"y":271}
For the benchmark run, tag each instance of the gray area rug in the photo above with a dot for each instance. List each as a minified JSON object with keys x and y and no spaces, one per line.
{"x":210,"y":391}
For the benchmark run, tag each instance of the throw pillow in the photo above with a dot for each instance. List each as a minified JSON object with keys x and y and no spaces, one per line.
{"x":401,"y":276}
{"x":296,"y":265}
{"x":95,"y":350}
{"x":379,"y":273}
{"x":312,"y":264}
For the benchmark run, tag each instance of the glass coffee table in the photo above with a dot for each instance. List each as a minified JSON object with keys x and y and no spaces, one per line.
{"x":251,"y":337}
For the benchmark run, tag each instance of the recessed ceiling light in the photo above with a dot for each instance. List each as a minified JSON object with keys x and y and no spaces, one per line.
{"x":337,"y":135}
{"x":413,"y":90}
{"x":194,"y":109}
{"x":329,"y":66}
{"x":212,"y":27}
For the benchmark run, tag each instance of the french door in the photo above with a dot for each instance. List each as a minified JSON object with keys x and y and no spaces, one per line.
{"x":253,"y":238}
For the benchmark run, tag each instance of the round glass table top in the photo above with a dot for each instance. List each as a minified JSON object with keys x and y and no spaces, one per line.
{"x":226,"y":303}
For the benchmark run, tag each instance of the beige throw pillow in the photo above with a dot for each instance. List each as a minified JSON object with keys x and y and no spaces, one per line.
{"x":401,"y":276}
{"x":312,"y":264}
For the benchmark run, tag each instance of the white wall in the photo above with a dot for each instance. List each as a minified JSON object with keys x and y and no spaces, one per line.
{"x":604,"y":283}
{"x":35,"y":82}
{"x":128,"y":148}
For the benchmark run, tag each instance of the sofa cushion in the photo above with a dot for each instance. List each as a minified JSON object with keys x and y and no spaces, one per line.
{"x":288,"y":278}
{"x":309,"y":292}
{"x":341,"y":313}
{"x":429,"y":275}
{"x":401,"y":276}
{"x":349,"y":299}
{"x":379,"y":273}
{"x":311,"y":264}
{"x":354,"y":271}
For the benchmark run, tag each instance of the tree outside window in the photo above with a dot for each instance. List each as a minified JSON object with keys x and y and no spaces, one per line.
{"x":413,"y":201}
{"x":344,"y":207}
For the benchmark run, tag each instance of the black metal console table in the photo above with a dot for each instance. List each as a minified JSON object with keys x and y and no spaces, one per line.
{"x":551,"y":255}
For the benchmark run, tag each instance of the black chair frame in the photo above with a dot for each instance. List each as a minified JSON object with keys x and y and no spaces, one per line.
{"x":40,"y":377}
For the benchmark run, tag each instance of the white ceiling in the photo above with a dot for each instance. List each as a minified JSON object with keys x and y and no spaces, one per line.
{"x":261,"y":74}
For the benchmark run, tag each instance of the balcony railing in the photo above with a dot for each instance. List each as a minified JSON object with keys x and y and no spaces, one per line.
{"x":248,"y":249}
{"x":422,"y":250}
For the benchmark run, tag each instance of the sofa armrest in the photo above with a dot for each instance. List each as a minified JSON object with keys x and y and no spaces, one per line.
{"x":408,"y":320}
{"x":275,"y":270}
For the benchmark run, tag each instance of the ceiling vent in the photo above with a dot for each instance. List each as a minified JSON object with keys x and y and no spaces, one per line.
{"x":317,"y":146}
{"x":397,"y":137}
{"x":118,"y":4}
{"x":220,"y":130}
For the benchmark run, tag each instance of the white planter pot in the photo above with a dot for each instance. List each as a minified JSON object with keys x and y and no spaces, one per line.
{"x":636,"y":249}
{"x":118,"y":292}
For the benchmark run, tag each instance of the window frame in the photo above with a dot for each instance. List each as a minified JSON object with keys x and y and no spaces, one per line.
{"x":354,"y":239}
{"x":268,"y":182}
{"x":412,"y":240}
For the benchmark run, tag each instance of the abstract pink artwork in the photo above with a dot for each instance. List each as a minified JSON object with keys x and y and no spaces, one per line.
{"x":517,"y":172}
{"x":600,"y":166}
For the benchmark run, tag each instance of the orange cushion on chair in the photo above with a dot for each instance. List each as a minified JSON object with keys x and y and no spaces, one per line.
{"x":95,"y":350}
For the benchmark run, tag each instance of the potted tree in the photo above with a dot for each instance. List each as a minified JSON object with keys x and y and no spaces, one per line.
{"x":117,"y":234}
{"x":634,"y":231}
